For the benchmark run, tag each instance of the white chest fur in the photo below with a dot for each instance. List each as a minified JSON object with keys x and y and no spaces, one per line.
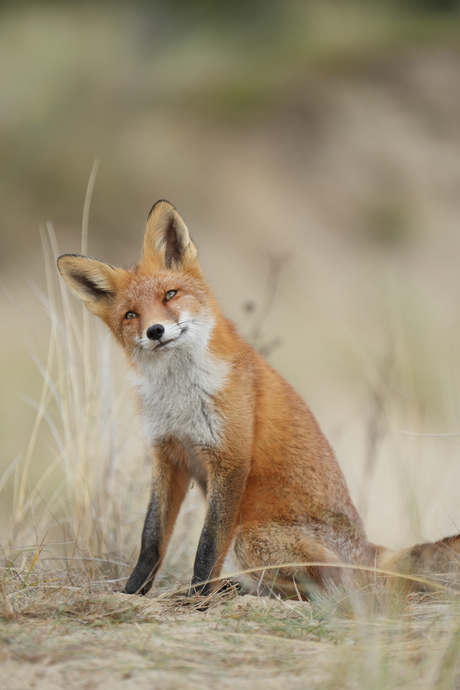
{"x":176,"y":390}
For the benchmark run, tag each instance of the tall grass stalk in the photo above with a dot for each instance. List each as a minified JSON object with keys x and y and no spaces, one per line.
{"x":90,"y":493}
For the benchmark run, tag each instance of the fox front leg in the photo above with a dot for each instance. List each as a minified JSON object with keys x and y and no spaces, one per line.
{"x":224,"y":497}
{"x":141,"y":579}
{"x":169,"y":486}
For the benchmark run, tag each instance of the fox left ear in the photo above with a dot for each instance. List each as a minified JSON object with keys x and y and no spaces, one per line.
{"x":94,"y":282}
{"x":167,"y":239}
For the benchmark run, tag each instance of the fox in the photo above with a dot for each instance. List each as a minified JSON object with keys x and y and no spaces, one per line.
{"x":215,"y":412}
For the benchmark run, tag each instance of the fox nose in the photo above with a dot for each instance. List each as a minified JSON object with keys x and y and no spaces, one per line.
{"x":155,"y":332}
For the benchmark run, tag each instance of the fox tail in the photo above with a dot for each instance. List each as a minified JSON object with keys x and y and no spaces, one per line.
{"x":438,"y":561}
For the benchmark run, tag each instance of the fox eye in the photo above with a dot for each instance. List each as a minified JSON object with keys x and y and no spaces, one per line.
{"x":130,"y":315}
{"x":170,"y":294}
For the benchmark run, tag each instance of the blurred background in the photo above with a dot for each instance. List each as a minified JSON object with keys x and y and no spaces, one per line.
{"x":313,"y":149}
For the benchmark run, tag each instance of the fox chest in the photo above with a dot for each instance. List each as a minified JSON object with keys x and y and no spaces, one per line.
{"x":177,"y":399}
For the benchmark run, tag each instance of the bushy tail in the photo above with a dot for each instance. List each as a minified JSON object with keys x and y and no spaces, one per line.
{"x":438,"y":561}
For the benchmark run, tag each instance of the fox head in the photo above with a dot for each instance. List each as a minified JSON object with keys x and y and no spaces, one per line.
{"x":161,"y":303}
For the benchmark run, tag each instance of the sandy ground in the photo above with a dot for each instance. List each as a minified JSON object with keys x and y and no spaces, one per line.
{"x":169,"y":648}
{"x":247,"y":643}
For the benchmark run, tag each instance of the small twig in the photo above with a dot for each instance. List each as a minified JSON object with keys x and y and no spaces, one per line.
{"x":276,"y":264}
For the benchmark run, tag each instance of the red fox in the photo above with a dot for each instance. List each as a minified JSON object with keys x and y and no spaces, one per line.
{"x":214,"y":411}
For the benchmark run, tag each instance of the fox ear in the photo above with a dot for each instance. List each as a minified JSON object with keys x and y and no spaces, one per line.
{"x":94,"y":282}
{"x":166,"y":238}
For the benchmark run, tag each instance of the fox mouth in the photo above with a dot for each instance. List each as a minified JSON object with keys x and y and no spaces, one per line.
{"x":171,"y":340}
{"x":166,"y":342}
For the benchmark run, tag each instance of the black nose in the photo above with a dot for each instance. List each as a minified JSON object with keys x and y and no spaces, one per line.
{"x":155,"y":332}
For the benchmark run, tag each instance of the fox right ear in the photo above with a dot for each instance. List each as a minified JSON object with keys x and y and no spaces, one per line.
{"x":167,"y":242}
{"x":94,"y":282}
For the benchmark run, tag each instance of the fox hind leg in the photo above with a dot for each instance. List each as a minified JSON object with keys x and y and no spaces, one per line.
{"x":281,"y":554}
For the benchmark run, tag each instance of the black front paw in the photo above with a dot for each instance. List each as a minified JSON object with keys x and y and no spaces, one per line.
{"x":229,"y":586}
{"x":224,"y":586}
{"x":139,"y":582}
